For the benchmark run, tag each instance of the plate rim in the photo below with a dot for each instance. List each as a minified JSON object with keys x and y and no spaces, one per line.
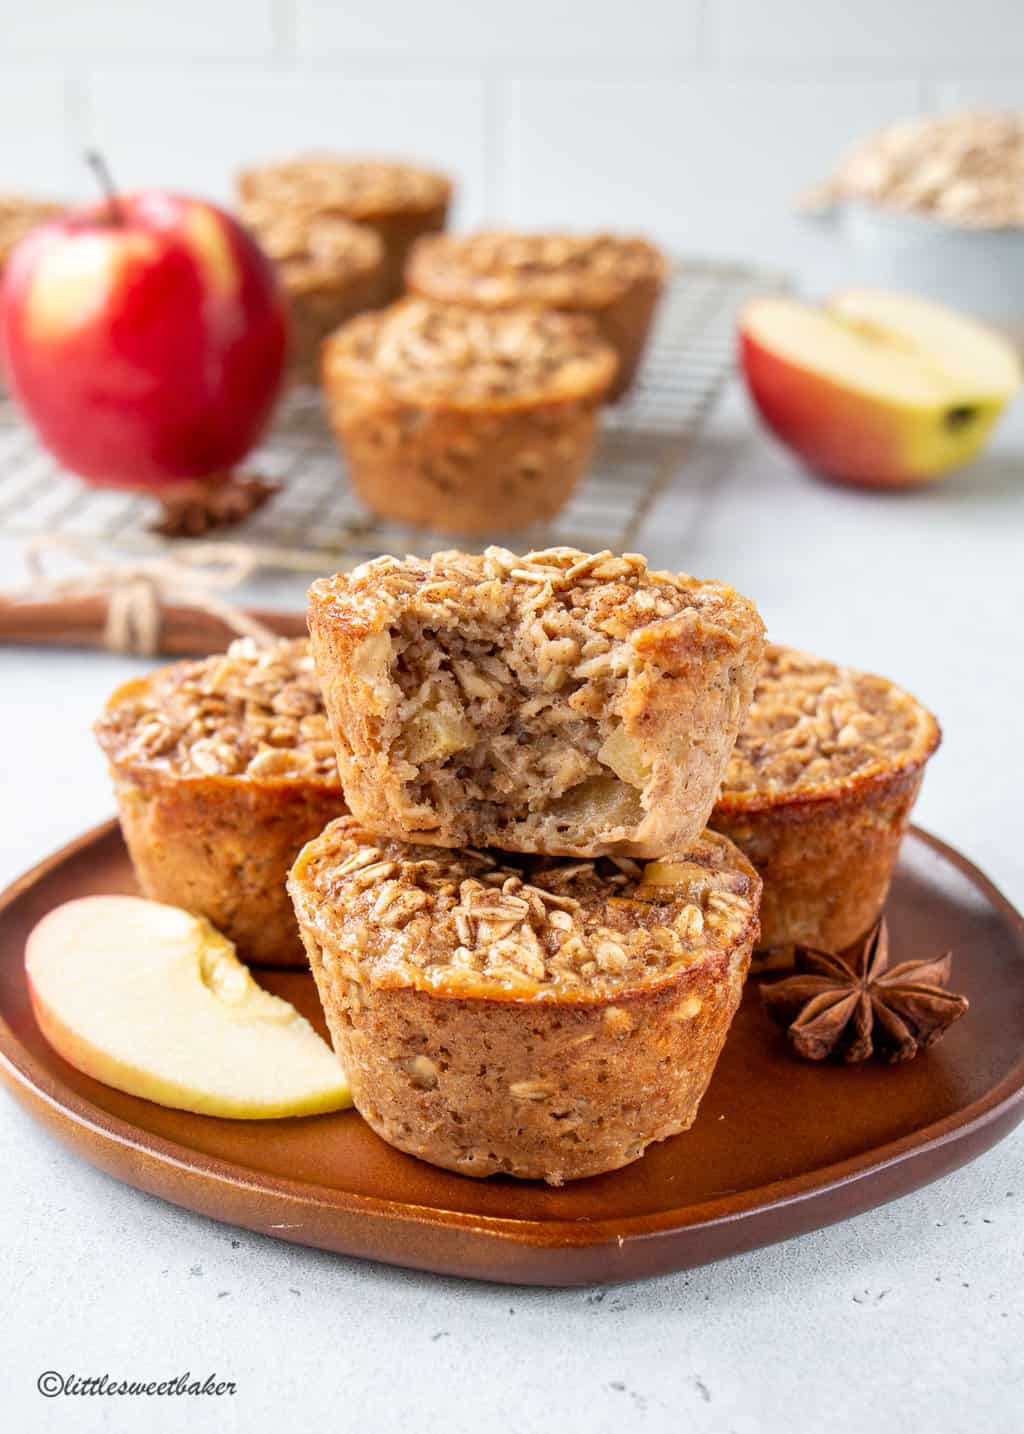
{"x":46,"y":1095}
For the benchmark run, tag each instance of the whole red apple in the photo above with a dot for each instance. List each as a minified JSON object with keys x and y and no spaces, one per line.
{"x":145,"y":337}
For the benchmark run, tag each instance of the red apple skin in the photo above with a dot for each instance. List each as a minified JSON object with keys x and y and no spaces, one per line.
{"x":163,"y":359}
{"x":844,"y":436}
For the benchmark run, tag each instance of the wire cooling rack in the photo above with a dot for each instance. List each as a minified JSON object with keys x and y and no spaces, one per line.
{"x":316,"y":520}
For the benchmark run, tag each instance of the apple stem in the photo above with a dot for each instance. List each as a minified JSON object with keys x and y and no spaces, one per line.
{"x":100,"y":168}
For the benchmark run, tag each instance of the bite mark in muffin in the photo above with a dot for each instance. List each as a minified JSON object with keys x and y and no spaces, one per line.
{"x":557,"y":702}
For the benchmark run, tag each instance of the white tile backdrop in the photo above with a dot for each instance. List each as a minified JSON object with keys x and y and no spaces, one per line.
{"x":695,"y":119}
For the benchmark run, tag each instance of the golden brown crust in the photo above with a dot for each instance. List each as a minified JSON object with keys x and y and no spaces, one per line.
{"x":505,"y":269}
{"x":816,"y":731}
{"x":312,"y":249}
{"x":826,"y":865}
{"x":819,"y":793}
{"x":401,"y":202}
{"x":465,"y":422}
{"x":627,"y":327}
{"x":559,"y":702}
{"x":223,"y":769}
{"x":425,"y":354}
{"x":358,"y":188}
{"x":614,"y":279}
{"x":492,"y":925}
{"x":249,"y":712}
{"x":221,"y":847}
{"x":541,"y":1077}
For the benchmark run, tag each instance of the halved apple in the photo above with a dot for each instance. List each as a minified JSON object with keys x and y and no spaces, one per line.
{"x":876,"y":388}
{"x":154,"y":1001}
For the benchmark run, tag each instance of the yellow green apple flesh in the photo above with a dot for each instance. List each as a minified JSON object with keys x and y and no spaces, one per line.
{"x":876,"y":389}
{"x":154,"y":1001}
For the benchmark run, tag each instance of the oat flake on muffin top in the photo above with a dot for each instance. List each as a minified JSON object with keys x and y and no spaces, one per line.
{"x":501,"y":267}
{"x":250,"y":712}
{"x":357,"y":188}
{"x":310,"y":247}
{"x":488,"y":923}
{"x":813,"y":723}
{"x":426,"y":351}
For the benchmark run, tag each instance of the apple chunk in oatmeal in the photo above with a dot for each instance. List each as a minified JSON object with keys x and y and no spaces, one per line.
{"x":559,"y":702}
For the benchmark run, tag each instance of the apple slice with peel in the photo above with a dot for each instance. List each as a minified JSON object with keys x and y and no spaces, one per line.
{"x":154,"y":1001}
{"x":876,"y":388}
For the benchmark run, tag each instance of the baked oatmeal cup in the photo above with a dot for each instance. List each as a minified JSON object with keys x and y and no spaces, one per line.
{"x":560,"y":702}
{"x":223,"y":769}
{"x":465,"y":422}
{"x":524,"y":1015}
{"x":615,"y":280}
{"x":400,"y":202}
{"x":818,"y":794}
{"x":330,"y":270}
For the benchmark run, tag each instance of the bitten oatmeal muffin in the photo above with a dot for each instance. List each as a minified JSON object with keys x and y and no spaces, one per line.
{"x":465,"y":422}
{"x":330,"y":269}
{"x":223,"y":769}
{"x":401,"y":202}
{"x":614,"y":279}
{"x":818,"y":794}
{"x":19,"y":215}
{"x":523,"y":1015}
{"x":560,"y":702}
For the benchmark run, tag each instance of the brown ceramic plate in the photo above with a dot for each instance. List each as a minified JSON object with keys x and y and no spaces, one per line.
{"x":779,"y":1147}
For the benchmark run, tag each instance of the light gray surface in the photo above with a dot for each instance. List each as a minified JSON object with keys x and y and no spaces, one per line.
{"x":907,"y":1318}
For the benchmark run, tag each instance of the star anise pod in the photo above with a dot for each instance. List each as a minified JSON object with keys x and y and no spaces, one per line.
{"x":191,"y":509}
{"x":853,"y":1006}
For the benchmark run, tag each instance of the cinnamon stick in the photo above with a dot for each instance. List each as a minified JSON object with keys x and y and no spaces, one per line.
{"x":82,"y":622}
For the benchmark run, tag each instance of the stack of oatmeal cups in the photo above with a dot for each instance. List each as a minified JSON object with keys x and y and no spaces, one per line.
{"x":482,"y":788}
{"x":528,"y":948}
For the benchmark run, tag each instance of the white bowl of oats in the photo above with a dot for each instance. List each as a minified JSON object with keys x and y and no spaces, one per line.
{"x":936,"y":206}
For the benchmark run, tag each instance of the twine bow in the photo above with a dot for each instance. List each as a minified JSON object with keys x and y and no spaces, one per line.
{"x":137,"y":592}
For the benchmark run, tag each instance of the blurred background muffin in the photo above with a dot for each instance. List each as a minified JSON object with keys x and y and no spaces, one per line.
{"x":330,"y":269}
{"x":465,"y":421}
{"x":613,"y":279}
{"x":400,"y":202}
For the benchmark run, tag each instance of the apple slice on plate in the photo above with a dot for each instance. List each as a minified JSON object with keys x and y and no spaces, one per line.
{"x":154,"y":1001}
{"x":874,"y":388}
